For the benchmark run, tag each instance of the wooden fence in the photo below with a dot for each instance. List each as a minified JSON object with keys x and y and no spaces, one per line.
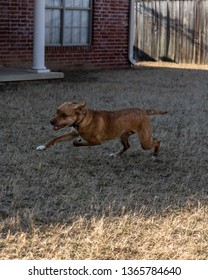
{"x":171,"y":30}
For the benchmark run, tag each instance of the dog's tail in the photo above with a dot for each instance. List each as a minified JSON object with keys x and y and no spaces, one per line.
{"x":151,"y":112}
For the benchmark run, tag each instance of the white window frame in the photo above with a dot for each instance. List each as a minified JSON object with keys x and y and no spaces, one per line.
{"x":63,"y":9}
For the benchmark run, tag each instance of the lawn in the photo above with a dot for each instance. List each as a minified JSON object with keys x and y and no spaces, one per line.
{"x":79,"y":203}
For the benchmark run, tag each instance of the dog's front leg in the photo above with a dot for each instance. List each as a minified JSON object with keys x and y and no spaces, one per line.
{"x":70,"y":135}
{"x":81,"y":142}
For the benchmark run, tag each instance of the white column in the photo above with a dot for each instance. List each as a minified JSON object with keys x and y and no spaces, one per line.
{"x":39,"y":37}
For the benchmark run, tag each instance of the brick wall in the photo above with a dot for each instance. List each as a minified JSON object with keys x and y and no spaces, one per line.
{"x":109,"y":48}
{"x":16,"y":32}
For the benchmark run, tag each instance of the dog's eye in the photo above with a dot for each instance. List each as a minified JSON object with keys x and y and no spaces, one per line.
{"x":64,"y":115}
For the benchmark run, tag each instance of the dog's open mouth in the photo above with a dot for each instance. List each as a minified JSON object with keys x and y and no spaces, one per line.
{"x":57,"y":127}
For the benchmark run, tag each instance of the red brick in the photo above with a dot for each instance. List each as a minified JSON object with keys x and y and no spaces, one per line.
{"x":109,"y":41}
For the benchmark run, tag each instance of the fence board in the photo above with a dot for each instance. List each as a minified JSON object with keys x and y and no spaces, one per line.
{"x":171,"y":30}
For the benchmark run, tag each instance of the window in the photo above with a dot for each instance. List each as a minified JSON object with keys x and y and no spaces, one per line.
{"x":68,"y":22}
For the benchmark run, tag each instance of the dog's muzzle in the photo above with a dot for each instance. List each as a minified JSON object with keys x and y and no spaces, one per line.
{"x":55,"y":125}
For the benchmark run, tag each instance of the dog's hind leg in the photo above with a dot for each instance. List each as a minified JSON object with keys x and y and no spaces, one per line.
{"x":150,"y":145}
{"x":146,"y":140}
{"x":124,"y":141}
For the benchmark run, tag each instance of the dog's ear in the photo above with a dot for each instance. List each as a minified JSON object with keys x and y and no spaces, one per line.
{"x":80,"y":107}
{"x":84,"y":103}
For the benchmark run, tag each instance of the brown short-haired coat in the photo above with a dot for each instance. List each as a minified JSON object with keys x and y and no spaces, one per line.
{"x":92,"y":127}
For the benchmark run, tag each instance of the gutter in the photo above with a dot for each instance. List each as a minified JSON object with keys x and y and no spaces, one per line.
{"x":131,"y":34}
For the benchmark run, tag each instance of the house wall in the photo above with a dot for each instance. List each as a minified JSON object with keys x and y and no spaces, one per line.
{"x":16,"y":32}
{"x":109,"y":48}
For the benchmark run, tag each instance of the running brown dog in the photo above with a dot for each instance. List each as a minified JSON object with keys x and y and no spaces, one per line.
{"x":92,"y":127}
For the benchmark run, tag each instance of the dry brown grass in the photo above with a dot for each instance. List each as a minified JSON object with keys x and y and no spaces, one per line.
{"x":69,"y":203}
{"x":181,"y":235}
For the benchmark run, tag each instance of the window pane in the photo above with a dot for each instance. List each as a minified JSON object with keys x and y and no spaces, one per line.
{"x":75,"y":36}
{"x":55,"y":36}
{"x":77,"y":3}
{"x":52,"y":36}
{"x":72,"y":18}
{"x":49,"y":3}
{"x":74,"y":3}
{"x":76,"y":19}
{"x":56,"y":18}
{"x":85,"y":19}
{"x":47,"y":36}
{"x":86,"y":3}
{"x":48,"y":18}
{"x":68,"y":36}
{"x":57,"y":3}
{"x":72,"y":36}
{"x":76,"y":29}
{"x":53,"y":26}
{"x":69,"y":3}
{"x":53,"y":3}
{"x":53,"y":18}
{"x":68,"y":18}
{"x":84,"y":36}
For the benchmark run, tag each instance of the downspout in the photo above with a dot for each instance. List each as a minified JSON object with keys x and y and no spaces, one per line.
{"x":131,"y":34}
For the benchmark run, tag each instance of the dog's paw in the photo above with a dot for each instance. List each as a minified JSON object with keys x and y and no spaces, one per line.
{"x":41,"y":148}
{"x":155,"y":158}
{"x":113,"y":155}
{"x":77,"y":142}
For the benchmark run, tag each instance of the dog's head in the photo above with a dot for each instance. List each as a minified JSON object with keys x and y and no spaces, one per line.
{"x":68,"y":114}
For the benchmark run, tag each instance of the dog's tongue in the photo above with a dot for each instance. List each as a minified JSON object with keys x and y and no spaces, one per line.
{"x":57,"y":127}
